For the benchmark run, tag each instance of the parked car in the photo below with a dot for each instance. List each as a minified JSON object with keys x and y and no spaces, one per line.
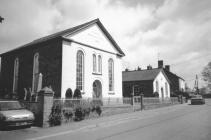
{"x":197,"y":99}
{"x":12,"y":113}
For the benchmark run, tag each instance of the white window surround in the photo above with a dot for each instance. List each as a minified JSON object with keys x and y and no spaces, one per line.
{"x":35,"y":72}
{"x":97,"y":64}
{"x":94,"y":63}
{"x":111,"y":76}
{"x":80,"y":70}
{"x":15,"y":76}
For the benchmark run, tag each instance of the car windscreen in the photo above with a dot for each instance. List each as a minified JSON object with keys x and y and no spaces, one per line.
{"x":10,"y":105}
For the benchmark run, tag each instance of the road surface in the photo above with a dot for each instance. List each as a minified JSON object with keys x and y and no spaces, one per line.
{"x":178,"y":122}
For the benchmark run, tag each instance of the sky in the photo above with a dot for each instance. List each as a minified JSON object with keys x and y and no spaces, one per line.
{"x":175,"y":31}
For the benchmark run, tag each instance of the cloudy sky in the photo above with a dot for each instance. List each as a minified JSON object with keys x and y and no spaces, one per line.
{"x":176,"y":31}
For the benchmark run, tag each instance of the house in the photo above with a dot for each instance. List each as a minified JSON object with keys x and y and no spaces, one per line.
{"x":177,"y":84}
{"x":84,"y":57}
{"x":148,"y":82}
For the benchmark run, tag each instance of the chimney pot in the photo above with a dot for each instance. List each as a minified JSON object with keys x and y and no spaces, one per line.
{"x":167,"y":67}
{"x":160,"y":63}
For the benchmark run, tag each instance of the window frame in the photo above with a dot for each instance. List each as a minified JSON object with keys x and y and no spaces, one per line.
{"x":110,"y":75}
{"x":80,"y":72}
{"x":35,"y":73}
{"x":15,"y":75}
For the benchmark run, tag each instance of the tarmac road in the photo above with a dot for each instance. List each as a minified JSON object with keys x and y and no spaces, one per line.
{"x":178,"y":122}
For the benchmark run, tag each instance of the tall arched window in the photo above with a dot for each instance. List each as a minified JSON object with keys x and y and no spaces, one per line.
{"x":35,"y":73}
{"x":94,"y":63}
{"x":111,"y":74}
{"x":15,"y":76}
{"x":157,"y":86}
{"x":166,"y":87}
{"x":99,"y":64}
{"x":80,"y":70}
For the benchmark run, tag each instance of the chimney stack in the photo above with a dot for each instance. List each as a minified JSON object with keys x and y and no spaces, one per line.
{"x":167,"y":67}
{"x":149,"y":67}
{"x":160,"y":63}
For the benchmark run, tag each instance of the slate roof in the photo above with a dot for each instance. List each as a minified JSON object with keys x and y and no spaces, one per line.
{"x":71,"y":31}
{"x":142,"y":75}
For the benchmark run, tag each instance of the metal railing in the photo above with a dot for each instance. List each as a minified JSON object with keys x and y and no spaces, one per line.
{"x":114,"y":101}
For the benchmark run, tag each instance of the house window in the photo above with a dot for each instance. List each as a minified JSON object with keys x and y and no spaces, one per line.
{"x":15,"y":78}
{"x":157,"y":86}
{"x":99,"y":64}
{"x":94,"y":63}
{"x":166,"y":87}
{"x":80,"y":70}
{"x":111,"y":74}
{"x":35,"y":73}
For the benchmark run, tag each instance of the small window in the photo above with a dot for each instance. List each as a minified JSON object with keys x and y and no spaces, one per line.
{"x":99,"y":64}
{"x":166,"y":87}
{"x":111,"y":74}
{"x":94,"y":63}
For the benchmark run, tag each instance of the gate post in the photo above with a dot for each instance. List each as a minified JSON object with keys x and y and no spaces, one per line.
{"x":141,"y":101}
{"x":45,"y":99}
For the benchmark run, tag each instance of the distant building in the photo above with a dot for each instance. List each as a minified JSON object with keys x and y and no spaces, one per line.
{"x":149,"y":82}
{"x":177,"y":84}
{"x":84,"y":57}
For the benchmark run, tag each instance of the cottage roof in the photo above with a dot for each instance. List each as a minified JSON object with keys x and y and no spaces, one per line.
{"x":71,"y":31}
{"x":142,"y":75}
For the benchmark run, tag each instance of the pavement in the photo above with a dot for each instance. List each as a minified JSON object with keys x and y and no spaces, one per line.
{"x":178,"y":122}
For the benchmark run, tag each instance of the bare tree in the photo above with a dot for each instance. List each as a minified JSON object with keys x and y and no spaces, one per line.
{"x":206,"y":74}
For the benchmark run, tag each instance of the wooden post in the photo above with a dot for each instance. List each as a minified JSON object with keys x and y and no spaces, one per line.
{"x":141,"y":101}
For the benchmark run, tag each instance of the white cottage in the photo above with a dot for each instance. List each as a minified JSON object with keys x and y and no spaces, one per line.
{"x":85,"y":57}
{"x":147,"y":81}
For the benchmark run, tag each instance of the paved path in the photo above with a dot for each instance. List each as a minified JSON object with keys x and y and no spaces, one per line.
{"x":179,"y":122}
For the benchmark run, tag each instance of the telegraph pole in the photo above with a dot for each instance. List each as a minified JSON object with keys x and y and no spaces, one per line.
{"x":196,"y":86}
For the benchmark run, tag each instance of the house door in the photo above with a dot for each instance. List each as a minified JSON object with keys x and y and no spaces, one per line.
{"x":97,"y":89}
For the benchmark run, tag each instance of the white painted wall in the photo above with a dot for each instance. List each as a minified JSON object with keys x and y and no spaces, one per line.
{"x":94,"y":36}
{"x":161,"y":80}
{"x":69,"y":64}
{"x":181,"y":85}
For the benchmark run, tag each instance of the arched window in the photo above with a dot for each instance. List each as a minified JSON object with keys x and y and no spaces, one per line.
{"x":99,"y":64}
{"x":157,"y":86}
{"x":80,"y":70}
{"x":94,"y":63}
{"x":15,"y":76}
{"x":166,"y":87}
{"x":35,"y":73}
{"x":111,"y":74}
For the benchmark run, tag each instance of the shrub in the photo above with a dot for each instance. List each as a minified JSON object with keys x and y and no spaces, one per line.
{"x":68,"y":114}
{"x":79,"y":113}
{"x":77,"y":94}
{"x":156,"y":94}
{"x":69,"y":93}
{"x":98,"y":110}
{"x":55,"y":117}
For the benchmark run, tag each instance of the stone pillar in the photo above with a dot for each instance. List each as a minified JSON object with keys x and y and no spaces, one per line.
{"x":45,"y":99}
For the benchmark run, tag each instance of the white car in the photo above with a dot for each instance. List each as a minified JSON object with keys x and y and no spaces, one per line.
{"x":13,"y":114}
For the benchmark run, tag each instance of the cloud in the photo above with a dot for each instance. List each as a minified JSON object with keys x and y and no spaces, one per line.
{"x":179,"y":31}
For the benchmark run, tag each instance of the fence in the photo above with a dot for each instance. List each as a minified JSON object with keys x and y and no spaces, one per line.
{"x":106,"y":102}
